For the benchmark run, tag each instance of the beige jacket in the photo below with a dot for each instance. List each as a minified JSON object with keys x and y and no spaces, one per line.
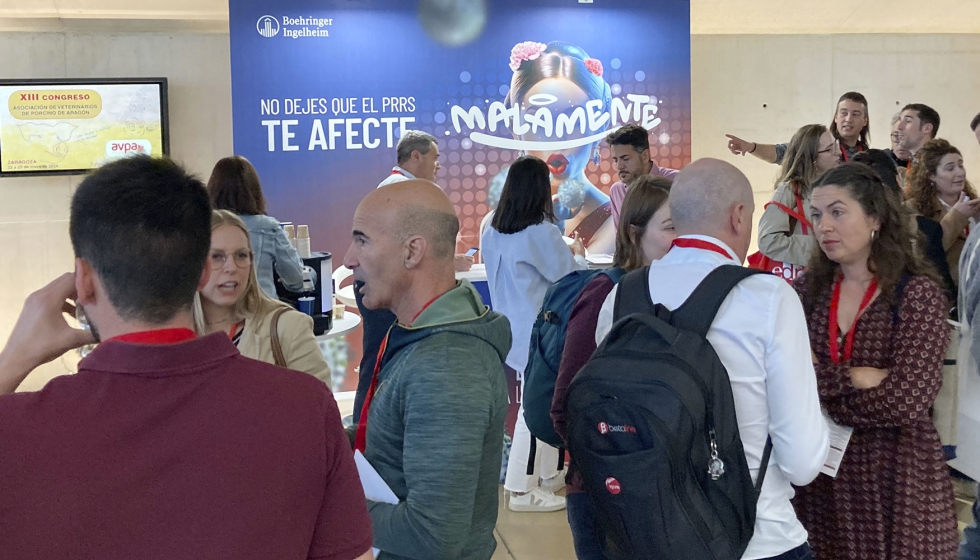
{"x":954,"y":225}
{"x":776,"y":241}
{"x":299,"y":346}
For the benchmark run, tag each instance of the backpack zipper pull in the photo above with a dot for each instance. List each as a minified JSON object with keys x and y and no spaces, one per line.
{"x":716,"y":467}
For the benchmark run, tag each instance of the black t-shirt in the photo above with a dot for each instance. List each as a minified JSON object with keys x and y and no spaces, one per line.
{"x":935,"y":254}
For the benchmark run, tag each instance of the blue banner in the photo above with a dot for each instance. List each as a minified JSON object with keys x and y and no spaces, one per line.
{"x":321,"y":91}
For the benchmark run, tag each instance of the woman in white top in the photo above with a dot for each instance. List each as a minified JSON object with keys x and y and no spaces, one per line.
{"x":524,"y":254}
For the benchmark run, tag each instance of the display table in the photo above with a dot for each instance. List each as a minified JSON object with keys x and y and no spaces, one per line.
{"x":341,"y":327}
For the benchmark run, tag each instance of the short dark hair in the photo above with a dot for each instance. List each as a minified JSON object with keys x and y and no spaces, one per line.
{"x":882,"y":164}
{"x":927,"y":115}
{"x":630,"y":135}
{"x":234,"y":186}
{"x":865,"y":136}
{"x":526,"y":198}
{"x":412,"y":141}
{"x":144,"y":225}
{"x":975,"y":122}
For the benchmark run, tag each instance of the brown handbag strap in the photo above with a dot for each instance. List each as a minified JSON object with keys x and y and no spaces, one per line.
{"x":274,"y":337}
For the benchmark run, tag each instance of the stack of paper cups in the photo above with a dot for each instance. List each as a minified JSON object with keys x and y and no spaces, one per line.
{"x":303,"y":241}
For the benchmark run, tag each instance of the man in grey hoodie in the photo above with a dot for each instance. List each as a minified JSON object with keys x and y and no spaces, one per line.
{"x":433,"y":418}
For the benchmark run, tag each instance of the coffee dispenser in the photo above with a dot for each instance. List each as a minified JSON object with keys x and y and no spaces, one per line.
{"x":319,"y":287}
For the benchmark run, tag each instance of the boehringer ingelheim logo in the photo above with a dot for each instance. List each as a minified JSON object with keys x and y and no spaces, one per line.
{"x":267,"y":26}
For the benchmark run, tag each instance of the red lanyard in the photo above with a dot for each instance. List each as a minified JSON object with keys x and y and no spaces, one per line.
{"x":688,"y":243}
{"x":397,"y":172}
{"x":799,"y":210}
{"x":843,"y":152}
{"x":360,"y":436}
{"x":835,"y":354}
{"x":804,"y":223}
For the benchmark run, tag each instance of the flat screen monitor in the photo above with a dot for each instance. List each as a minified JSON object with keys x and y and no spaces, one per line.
{"x":67,"y":126}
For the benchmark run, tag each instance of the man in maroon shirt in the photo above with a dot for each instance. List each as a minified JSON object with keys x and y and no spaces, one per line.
{"x":164,"y":445}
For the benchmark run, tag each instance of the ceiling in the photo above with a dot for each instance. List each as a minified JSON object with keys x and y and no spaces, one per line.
{"x":722,"y":17}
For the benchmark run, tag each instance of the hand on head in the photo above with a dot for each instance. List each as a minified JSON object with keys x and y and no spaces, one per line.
{"x":41,"y":333}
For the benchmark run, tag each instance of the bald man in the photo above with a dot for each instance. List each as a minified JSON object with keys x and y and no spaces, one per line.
{"x":433,"y":418}
{"x":760,"y":336}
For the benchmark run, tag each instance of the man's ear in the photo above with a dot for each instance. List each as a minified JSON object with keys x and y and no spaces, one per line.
{"x":415,"y":248}
{"x":205,"y":275}
{"x":85,"y":281}
{"x":735,"y":218}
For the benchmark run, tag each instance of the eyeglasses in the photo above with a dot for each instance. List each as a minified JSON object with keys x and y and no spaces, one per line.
{"x":835,"y":146}
{"x":243,"y":259}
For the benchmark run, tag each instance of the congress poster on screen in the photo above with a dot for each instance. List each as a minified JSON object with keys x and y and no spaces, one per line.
{"x":322,"y":90}
{"x":77,"y":127}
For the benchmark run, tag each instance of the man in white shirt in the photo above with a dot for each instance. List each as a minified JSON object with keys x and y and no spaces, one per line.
{"x":760,"y":336}
{"x":418,"y":158}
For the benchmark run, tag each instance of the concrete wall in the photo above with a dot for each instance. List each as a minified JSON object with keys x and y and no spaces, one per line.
{"x":764,"y":87}
{"x":34,"y":245}
{"x":760,"y":87}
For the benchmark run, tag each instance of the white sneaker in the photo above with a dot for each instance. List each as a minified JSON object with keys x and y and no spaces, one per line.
{"x":555,"y":483}
{"x":536,"y":501}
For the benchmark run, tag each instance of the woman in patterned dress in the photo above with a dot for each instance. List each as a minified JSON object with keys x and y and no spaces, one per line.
{"x":877,"y":321}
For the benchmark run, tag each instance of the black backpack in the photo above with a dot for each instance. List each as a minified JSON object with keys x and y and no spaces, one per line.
{"x":547,"y":346}
{"x":652,"y":427}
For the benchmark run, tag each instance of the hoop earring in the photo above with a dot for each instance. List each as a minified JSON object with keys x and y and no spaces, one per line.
{"x":874,"y":235}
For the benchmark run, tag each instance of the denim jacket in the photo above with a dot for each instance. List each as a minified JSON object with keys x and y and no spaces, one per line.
{"x":272,"y":248}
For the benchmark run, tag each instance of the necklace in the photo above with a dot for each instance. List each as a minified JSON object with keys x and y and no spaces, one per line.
{"x":230,"y":318}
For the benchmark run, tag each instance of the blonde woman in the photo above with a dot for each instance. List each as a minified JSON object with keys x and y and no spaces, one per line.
{"x":232,"y":302}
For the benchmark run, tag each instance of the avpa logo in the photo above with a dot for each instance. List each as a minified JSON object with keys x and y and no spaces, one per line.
{"x":267,"y":26}
{"x":605,"y":428}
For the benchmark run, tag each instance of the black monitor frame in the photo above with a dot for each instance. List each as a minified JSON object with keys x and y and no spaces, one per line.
{"x":164,"y":112}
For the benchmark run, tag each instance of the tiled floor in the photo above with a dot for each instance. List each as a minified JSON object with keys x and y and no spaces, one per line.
{"x":532,"y":536}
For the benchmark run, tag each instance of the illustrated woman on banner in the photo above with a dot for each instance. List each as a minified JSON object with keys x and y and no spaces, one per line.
{"x":564,"y":79}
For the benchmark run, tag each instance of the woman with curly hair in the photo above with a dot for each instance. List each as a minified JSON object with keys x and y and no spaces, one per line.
{"x":938,"y":190}
{"x":877,"y":321}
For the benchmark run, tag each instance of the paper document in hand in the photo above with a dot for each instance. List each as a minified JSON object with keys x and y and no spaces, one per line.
{"x":839,"y":438}
{"x":375,"y":488}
